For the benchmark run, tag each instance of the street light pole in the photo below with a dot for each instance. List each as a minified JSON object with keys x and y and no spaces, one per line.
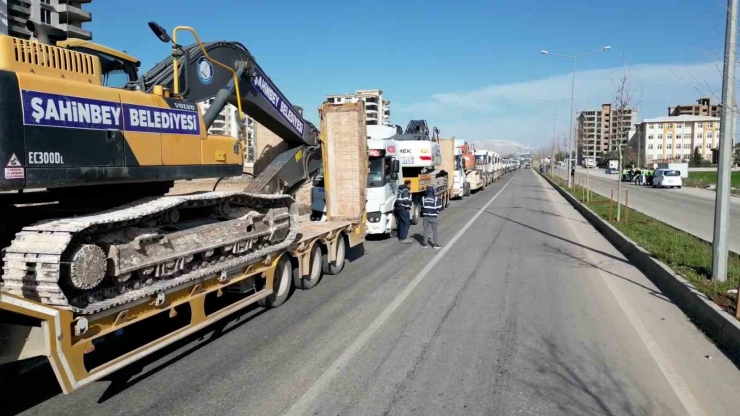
{"x":572,"y":103}
{"x":554,"y":117}
{"x":722,"y":198}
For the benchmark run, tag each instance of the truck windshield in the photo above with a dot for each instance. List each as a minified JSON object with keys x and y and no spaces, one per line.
{"x":376,"y":173}
{"x":458,"y":162}
{"x":481,"y":159}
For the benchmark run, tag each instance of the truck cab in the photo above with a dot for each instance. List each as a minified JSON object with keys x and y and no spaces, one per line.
{"x":382,"y":185}
{"x":460,"y":186}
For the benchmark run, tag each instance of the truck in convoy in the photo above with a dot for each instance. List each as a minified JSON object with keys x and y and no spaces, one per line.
{"x":392,"y":158}
{"x":473,"y":175}
{"x":463,"y":162}
{"x":484,"y":166}
{"x":157,"y":268}
{"x":497,"y":166}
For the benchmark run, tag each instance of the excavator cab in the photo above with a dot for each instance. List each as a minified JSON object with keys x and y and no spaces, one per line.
{"x":118,"y":68}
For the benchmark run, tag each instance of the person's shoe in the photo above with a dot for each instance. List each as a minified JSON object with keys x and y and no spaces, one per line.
{"x":405,"y":241}
{"x":436,"y":246}
{"x":424,"y":246}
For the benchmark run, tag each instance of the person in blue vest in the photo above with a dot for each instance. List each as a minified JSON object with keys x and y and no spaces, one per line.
{"x":430,"y":208}
{"x":403,"y":208}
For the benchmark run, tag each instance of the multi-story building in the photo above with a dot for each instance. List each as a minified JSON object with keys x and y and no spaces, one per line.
{"x":227,"y":124}
{"x":674,"y":138}
{"x":377,"y":109}
{"x":599,"y":131}
{"x":703,"y":107}
{"x":66,"y":15}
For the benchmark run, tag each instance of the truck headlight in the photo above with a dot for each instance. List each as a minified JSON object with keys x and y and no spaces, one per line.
{"x":373,"y":216}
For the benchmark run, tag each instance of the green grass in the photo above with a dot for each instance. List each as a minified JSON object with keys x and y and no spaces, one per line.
{"x":701,"y":179}
{"x":687,"y":255}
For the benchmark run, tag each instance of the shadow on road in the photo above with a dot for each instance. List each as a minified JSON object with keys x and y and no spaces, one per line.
{"x":580,"y":261}
{"x":582,"y":383}
{"x":558,"y":237}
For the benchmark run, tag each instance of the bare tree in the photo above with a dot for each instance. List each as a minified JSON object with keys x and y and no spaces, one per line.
{"x":627,"y":98}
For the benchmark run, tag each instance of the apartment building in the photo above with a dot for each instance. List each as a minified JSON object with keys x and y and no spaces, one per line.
{"x":377,"y":109}
{"x":226,"y":124}
{"x":67,"y":15}
{"x":598,"y":131}
{"x":703,"y":107}
{"x":674,"y":138}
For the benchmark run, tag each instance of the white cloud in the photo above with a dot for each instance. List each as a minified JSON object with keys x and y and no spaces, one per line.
{"x":511,"y":112}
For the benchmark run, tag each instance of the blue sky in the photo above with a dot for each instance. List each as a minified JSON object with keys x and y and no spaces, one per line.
{"x":471,"y":68}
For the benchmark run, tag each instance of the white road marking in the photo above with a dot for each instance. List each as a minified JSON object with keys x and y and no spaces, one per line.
{"x":687,"y":398}
{"x":306,"y":401}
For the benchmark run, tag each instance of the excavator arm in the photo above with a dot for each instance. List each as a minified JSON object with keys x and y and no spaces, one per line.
{"x":199,"y":79}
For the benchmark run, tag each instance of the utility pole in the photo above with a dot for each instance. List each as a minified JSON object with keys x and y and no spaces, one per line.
{"x":722,"y":201}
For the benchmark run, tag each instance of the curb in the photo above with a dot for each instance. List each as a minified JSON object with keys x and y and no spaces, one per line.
{"x":722,"y":327}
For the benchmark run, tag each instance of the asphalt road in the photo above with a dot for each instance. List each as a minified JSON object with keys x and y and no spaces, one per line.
{"x":688,"y":209}
{"x":525,"y":310}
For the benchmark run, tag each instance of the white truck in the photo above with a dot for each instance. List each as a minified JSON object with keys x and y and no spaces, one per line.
{"x":380,"y":191}
{"x":496,"y":165}
{"x":460,"y":185}
{"x":613,"y":164}
{"x":484,"y":165}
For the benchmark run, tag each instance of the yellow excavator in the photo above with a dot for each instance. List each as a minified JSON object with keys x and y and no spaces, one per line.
{"x":90,"y":148}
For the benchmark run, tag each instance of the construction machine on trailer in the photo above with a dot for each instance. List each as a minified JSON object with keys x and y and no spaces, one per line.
{"x":102,"y":250}
{"x":421,"y":160}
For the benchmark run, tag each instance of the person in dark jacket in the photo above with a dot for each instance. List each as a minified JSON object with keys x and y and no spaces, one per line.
{"x":403,"y":208}
{"x":430,"y":208}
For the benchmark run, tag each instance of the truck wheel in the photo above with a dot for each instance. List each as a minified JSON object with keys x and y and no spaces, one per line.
{"x":314,"y":274}
{"x":336,"y":266}
{"x":281,"y":284}
{"x":416,"y":213}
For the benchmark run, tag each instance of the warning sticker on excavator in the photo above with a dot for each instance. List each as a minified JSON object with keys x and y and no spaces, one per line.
{"x":14,"y":169}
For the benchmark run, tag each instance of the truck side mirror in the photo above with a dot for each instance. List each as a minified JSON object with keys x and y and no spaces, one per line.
{"x":394,"y":176}
{"x":395,"y":166}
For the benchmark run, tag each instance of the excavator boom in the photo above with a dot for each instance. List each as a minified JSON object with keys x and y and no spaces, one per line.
{"x":259,"y":98}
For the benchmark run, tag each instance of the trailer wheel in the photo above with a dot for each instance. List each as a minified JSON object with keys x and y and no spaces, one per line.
{"x":314,"y":272}
{"x":281,"y":284}
{"x":336,"y":266}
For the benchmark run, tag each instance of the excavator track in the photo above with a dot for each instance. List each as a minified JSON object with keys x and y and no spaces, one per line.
{"x":96,"y":262}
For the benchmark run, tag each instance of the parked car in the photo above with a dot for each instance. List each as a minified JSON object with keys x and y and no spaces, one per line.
{"x":611,"y":171}
{"x":667,"y":178}
{"x":526,"y":166}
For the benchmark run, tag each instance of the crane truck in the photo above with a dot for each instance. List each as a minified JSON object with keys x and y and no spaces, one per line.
{"x":102,"y":251}
{"x":421,"y":158}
